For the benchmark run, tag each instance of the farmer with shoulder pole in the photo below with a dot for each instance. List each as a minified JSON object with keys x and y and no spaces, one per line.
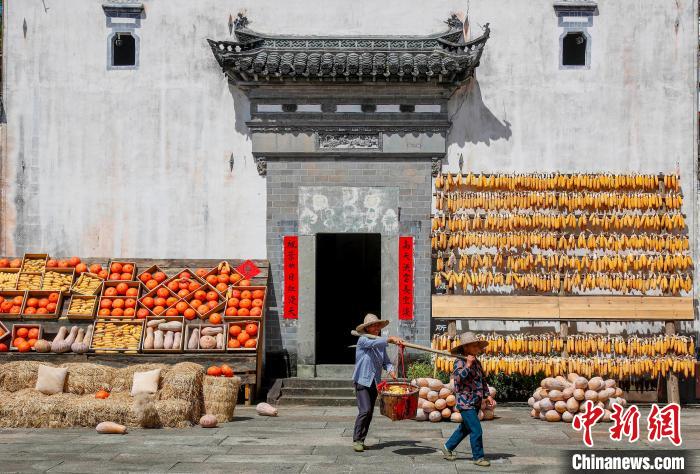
{"x":470,"y":389}
{"x":370,"y":358}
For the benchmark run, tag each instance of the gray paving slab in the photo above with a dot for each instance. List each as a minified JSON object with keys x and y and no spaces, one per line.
{"x":80,"y":467}
{"x":255,"y":466}
{"x":29,"y":466}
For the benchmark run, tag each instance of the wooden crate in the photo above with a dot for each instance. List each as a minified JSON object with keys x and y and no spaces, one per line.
{"x":82,"y":317}
{"x":40,"y":258}
{"x":177,"y":350}
{"x":24,"y":285}
{"x":207,"y":288}
{"x":112,"y":300}
{"x":123,"y":262}
{"x":191,"y":327}
{"x":4,"y":332}
{"x":9,"y":285}
{"x":230,"y":294}
{"x":40,"y":295}
{"x":96,"y":280}
{"x":17,"y":326}
{"x":242,"y":323}
{"x":117,"y":322}
{"x":10,"y":294}
{"x":63,"y":271}
{"x":151,"y":270}
{"x":216,"y":271}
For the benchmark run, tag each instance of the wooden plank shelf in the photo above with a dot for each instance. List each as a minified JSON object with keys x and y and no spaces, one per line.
{"x":566,"y":308}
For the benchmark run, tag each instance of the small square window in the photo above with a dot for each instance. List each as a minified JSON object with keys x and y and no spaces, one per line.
{"x":573,"y":49}
{"x":123,"y":50}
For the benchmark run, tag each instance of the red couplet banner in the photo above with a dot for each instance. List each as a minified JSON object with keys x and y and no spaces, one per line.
{"x":406,"y":278}
{"x":291,"y":277}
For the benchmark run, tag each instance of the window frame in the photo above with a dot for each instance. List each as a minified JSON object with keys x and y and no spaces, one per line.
{"x":110,"y":50}
{"x":579,"y":30}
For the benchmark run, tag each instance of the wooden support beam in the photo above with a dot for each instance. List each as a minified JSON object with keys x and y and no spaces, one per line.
{"x":672,"y":392}
{"x":564,"y":332}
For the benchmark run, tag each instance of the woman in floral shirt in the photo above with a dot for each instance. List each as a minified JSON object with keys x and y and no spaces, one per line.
{"x":470,"y":389}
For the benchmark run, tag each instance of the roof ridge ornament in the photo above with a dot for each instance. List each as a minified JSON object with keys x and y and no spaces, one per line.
{"x":241,"y":21}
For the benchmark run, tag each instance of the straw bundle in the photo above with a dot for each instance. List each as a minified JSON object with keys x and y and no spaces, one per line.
{"x":176,"y":413}
{"x":86,"y":378}
{"x":20,"y":375}
{"x":220,"y":396}
{"x":183,"y":381}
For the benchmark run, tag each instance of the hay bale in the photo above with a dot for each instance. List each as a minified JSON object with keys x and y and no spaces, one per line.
{"x":84,"y":378}
{"x":182,"y":382}
{"x":176,"y":413}
{"x":20,"y":375}
{"x":221,"y":396}
{"x":124,"y":377}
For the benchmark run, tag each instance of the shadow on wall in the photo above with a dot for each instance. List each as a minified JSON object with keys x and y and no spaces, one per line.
{"x":241,"y":109}
{"x":472,"y":121}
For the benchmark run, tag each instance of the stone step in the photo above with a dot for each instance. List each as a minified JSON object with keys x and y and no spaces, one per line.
{"x":317,"y":382}
{"x":335,"y":371}
{"x":317,"y":401}
{"x":318,"y":392}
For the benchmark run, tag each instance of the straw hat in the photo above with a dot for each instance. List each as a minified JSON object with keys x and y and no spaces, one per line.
{"x":370,"y":320}
{"x":465,"y":339}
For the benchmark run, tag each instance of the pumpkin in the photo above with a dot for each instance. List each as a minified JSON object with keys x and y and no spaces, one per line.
{"x":208,"y":421}
{"x":226,"y":371}
{"x":435,"y":385}
{"x":456,"y":417}
{"x":446,"y":413}
{"x":265,"y":409}
{"x":422,"y":382}
{"x":545,"y":382}
{"x":581,"y":383}
{"x":561,"y":379}
{"x":423,"y":392}
{"x":591,"y":395}
{"x":572,"y":377}
{"x":607,"y":415}
{"x":107,"y":427}
{"x":488,"y":415}
{"x":428,"y":406}
{"x":556,"y":385}
{"x":572,"y":405}
{"x":420,"y":402}
{"x":214,"y":371}
{"x":534,"y":413}
{"x":610,"y":383}
{"x":567,"y":417}
{"x":102,"y":394}
{"x":567,"y":393}
{"x":432,"y":396}
{"x":481,"y":415}
{"x":42,"y":346}
{"x":618,"y":390}
{"x":556,"y":395}
{"x":207,"y":342}
{"x":603,"y":395}
{"x":536,"y":406}
{"x":440,"y":404}
{"x":435,"y":416}
{"x":546,"y":405}
{"x":552,"y":415}
{"x":579,"y":394}
{"x":542,"y":417}
{"x":560,"y":406}
{"x":451,"y":400}
{"x":596,"y":383}
{"x":444,"y":392}
{"x":420,"y":415}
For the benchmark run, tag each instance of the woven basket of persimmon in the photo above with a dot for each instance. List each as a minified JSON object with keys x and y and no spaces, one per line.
{"x":398,"y":401}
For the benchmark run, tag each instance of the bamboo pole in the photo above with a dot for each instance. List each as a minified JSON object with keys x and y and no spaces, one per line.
{"x":415,"y":346}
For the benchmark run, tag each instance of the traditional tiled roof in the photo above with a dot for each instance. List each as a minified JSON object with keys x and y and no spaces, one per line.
{"x":256,"y":57}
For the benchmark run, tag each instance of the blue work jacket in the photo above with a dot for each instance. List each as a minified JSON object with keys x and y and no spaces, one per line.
{"x":370,"y":358}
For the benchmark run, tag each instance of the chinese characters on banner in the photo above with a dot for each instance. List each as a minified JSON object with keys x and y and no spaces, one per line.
{"x":405,"y":278}
{"x":661,"y":423}
{"x":291,"y":277}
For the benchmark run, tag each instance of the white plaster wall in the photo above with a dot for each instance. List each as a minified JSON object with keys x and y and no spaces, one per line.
{"x":136,"y":162}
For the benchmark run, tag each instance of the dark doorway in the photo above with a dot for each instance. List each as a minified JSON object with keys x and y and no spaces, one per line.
{"x":348,"y":286}
{"x":574,"y":49}
{"x":123,"y":50}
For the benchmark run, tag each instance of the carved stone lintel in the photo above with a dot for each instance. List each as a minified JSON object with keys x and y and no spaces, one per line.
{"x":437,"y":165}
{"x":348,"y":141}
{"x":261,"y":164}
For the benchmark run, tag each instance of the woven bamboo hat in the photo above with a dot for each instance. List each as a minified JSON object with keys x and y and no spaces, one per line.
{"x":465,"y":339}
{"x":371,"y":320}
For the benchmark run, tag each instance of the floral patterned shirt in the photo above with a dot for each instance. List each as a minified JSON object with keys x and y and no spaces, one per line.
{"x":469,"y":384}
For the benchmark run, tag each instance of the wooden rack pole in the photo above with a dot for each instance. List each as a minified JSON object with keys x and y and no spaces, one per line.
{"x":672,"y":392}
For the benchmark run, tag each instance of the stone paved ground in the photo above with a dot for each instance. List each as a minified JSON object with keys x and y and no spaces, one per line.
{"x":307,"y":440}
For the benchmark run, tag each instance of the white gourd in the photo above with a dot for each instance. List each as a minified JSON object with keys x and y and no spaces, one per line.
{"x":420,"y":415}
{"x":149,"y":339}
{"x":435,"y":416}
{"x":193,"y":343}
{"x":433,"y":396}
{"x":168,"y":342}
{"x":177,"y":340}
{"x":158,"y":339}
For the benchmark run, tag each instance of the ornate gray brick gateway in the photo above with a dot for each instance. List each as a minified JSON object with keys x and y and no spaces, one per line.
{"x":348,"y":132}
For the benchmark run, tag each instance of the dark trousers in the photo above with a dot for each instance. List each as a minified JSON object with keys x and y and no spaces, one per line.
{"x":366,"y":396}
{"x":471,"y":427}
